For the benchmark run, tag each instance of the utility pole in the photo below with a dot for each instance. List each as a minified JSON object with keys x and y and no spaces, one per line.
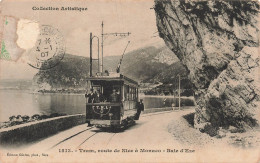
{"x":179,"y":92}
{"x":102,"y":41}
{"x":90,"y":56}
{"x":102,"y":45}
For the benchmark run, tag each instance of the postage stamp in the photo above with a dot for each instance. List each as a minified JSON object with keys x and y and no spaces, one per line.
{"x":49,"y":49}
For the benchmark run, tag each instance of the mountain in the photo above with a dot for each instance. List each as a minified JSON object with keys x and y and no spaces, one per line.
{"x":143,"y":64}
{"x":71,"y":72}
{"x":147,"y":64}
{"x":170,"y":73}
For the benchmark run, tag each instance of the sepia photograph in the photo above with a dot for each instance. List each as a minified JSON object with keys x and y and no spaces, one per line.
{"x":129,"y":81}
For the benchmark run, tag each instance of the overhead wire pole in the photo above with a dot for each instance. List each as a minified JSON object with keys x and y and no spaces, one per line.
{"x":102,"y":45}
{"x":173,"y":92}
{"x":90,"y":53}
{"x":90,"y":56}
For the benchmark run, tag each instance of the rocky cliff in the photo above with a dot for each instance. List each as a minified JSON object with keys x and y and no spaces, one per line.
{"x":217,"y":41}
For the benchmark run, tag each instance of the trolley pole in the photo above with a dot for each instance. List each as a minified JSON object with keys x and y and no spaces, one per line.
{"x":90,"y":56}
{"x":102,"y":41}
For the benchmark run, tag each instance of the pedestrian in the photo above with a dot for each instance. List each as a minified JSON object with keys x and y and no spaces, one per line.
{"x":140,"y":108}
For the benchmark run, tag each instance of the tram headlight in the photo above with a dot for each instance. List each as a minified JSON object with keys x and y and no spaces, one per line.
{"x":110,"y":114}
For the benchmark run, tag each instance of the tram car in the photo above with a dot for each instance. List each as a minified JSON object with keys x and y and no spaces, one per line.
{"x":115,"y":100}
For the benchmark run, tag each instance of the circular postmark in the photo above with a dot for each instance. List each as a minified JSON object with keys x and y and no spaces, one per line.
{"x":49,"y":49}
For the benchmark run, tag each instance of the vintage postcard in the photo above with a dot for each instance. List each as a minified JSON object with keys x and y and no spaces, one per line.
{"x":129,"y":81}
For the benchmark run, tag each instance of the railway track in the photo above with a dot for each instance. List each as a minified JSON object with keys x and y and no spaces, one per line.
{"x":85,"y":137}
{"x":66,"y":139}
{"x":83,"y":142}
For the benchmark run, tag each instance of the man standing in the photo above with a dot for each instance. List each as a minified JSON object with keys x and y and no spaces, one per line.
{"x":90,"y":97}
{"x":140,"y":107}
{"x":114,"y":97}
{"x":99,"y":97}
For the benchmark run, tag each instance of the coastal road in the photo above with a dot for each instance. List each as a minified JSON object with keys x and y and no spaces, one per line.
{"x":149,"y":131}
{"x":156,"y":137}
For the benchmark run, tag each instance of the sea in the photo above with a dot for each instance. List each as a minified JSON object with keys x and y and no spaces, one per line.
{"x":22,"y":102}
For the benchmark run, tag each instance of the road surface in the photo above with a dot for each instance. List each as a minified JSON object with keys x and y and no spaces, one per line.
{"x":150,"y":140}
{"x":149,"y":131}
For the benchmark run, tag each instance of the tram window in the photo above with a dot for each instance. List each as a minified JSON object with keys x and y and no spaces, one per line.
{"x":126,"y":91}
{"x":111,"y":96}
{"x":134,"y":93}
{"x":130,"y":92}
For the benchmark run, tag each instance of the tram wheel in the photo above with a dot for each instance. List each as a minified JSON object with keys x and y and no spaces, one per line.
{"x":113,"y":128}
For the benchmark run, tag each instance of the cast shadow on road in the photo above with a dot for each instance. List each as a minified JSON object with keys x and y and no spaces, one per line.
{"x":190,"y":119}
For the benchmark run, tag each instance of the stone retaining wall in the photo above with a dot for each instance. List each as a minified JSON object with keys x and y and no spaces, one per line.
{"x":33,"y":131}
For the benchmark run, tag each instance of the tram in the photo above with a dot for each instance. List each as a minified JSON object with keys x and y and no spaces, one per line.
{"x":112,"y":112}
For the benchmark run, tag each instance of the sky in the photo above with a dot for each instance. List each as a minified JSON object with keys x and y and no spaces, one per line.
{"x":133,"y":16}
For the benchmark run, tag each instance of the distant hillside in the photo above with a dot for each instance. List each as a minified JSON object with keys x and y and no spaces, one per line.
{"x":71,"y":72}
{"x":15,"y":84}
{"x":143,"y":64}
{"x":170,"y":73}
{"x":148,"y":64}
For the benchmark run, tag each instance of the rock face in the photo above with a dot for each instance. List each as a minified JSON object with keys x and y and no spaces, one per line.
{"x":218,"y":43}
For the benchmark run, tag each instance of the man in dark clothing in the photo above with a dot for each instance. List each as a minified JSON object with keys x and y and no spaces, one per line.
{"x":90,"y":97}
{"x":114,"y":97}
{"x":140,"y":107}
{"x":99,"y":97}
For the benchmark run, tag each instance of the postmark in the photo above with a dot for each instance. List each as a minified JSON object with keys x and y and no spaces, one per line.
{"x":49,"y":49}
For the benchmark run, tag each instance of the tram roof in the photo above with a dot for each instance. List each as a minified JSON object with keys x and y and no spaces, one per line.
{"x":112,"y":77}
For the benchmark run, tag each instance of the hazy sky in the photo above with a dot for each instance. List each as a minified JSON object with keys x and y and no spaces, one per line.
{"x":118,"y":16}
